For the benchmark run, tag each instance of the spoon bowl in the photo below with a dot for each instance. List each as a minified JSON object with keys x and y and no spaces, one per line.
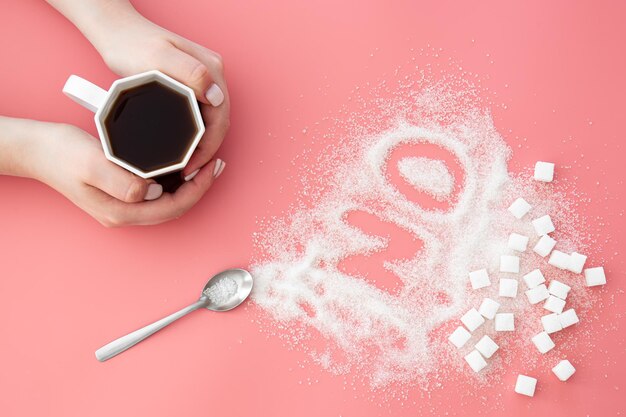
{"x":222,"y":299}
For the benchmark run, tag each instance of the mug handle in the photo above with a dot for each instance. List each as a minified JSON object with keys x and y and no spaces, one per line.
{"x":84,"y":93}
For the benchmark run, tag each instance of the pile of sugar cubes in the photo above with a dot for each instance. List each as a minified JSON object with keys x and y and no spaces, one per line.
{"x":553,"y":295}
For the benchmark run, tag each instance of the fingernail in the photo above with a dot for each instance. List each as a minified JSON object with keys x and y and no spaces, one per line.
{"x":215,"y":95}
{"x":192,"y":175}
{"x":154,"y":192}
{"x":219,"y":167}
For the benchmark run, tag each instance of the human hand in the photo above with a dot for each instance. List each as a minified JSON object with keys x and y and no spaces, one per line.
{"x":72,"y":162}
{"x":130,"y":44}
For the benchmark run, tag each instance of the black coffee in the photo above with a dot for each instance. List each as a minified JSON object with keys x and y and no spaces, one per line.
{"x":150,"y":126}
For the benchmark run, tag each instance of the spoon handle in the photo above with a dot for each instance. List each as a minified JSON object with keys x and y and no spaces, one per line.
{"x":120,"y":345}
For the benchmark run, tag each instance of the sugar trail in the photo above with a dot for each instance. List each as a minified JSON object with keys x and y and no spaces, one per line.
{"x":429,"y":175}
{"x":401,"y":336}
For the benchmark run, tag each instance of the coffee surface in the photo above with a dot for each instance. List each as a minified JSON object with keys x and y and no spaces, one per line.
{"x":150,"y":126}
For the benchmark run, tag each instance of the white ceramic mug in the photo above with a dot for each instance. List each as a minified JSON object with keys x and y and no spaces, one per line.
{"x":100,"y":101}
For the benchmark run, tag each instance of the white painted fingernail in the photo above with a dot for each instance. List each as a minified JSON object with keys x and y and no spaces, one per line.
{"x":154,"y":192}
{"x":192,"y":175}
{"x":215,"y":95}
{"x":219,"y":167}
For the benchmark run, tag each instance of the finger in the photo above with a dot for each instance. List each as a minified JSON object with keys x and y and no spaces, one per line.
{"x":186,"y":69}
{"x":169,"y":206}
{"x":217,"y":93}
{"x":216,"y":119}
{"x":217,"y":123}
{"x":120,"y":183}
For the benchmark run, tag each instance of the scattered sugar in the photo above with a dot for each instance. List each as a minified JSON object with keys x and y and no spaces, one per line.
{"x":221,"y":291}
{"x":349,"y":324}
{"x":429,"y":175}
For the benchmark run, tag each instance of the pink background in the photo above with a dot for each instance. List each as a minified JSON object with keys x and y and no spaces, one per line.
{"x":67,"y":285}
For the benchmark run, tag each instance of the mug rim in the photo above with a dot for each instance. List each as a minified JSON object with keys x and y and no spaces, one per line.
{"x":122,"y":84}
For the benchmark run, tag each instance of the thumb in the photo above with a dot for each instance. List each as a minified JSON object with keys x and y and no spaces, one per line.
{"x":191,"y":72}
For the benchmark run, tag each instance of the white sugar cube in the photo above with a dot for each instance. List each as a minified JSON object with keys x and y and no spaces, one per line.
{"x":563,"y":370}
{"x":537,"y":294}
{"x":551,"y":323}
{"x":595,"y":276}
{"x":554,"y":304}
{"x":479,"y":279}
{"x":559,"y":259}
{"x":544,"y":246}
{"x":543,"y":342}
{"x":509,"y":263}
{"x":558,"y":289}
{"x":544,"y":171}
{"x":518,"y":242}
{"x":568,"y":318}
{"x":576,"y":262}
{"x":504,"y":322}
{"x":486,"y":346}
{"x":508,"y":288}
{"x":475,"y":360}
{"x":525,"y":385}
{"x":459,"y":337}
{"x":543,"y":225}
{"x":534,"y":278}
{"x":489,"y":308}
{"x":519,"y":208}
{"x":472,"y":319}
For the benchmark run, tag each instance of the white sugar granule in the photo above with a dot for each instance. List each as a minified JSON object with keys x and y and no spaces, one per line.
{"x":430,"y":175}
{"x":401,"y":336}
{"x":222,"y":290}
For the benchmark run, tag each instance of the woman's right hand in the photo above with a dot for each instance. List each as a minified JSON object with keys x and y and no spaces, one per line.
{"x":72,"y":162}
